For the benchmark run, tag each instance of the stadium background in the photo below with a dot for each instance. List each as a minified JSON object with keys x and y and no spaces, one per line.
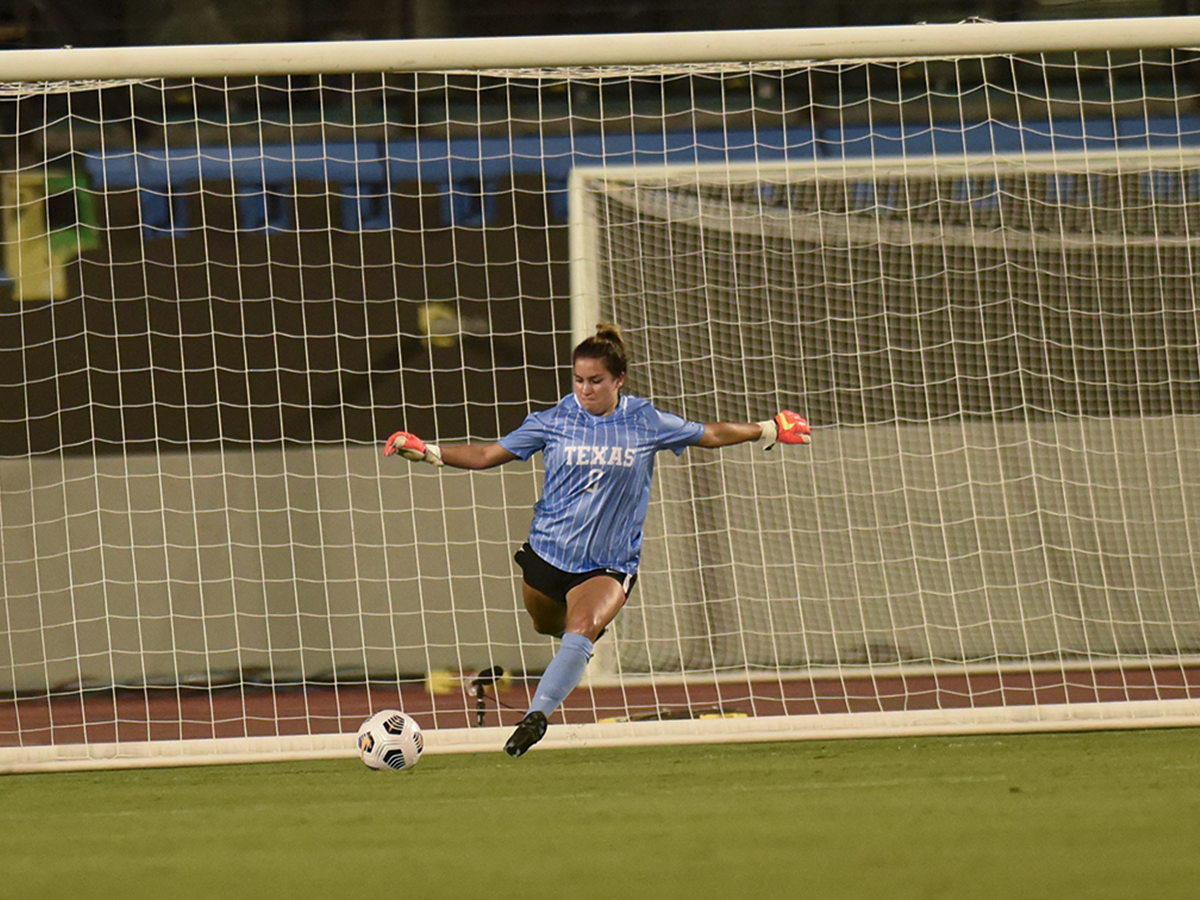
{"x":466,"y":217}
{"x":285,"y":338}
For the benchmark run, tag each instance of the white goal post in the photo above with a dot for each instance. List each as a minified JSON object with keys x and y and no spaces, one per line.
{"x":967,"y":253}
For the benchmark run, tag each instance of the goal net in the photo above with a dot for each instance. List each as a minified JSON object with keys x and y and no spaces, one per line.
{"x":997,"y":345}
{"x":230,"y":273}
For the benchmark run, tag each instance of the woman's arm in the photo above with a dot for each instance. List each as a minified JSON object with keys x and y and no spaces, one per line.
{"x":786,"y":427}
{"x":475,"y":456}
{"x":726,"y":434}
{"x":461,"y":456}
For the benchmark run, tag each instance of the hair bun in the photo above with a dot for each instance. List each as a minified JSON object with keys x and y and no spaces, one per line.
{"x":610,"y":331}
{"x":608,"y":344}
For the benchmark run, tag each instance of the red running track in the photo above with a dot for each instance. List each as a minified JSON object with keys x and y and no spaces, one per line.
{"x":186,"y":713}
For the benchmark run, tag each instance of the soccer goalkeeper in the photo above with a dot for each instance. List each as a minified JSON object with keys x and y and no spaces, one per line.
{"x":581,"y":559}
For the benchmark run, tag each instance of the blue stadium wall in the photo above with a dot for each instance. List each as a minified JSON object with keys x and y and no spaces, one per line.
{"x":303,"y":325}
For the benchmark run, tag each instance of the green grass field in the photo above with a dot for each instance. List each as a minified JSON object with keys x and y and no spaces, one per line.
{"x":1097,"y":815}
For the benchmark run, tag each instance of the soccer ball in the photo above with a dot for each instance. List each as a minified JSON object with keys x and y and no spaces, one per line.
{"x":390,"y":740}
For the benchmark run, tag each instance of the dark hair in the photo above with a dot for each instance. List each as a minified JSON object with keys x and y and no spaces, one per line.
{"x":607,"y":345}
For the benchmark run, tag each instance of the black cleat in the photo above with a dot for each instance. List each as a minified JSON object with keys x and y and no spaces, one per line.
{"x":530,"y":730}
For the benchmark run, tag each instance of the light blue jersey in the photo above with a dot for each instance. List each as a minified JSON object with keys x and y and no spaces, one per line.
{"x":598,"y":474}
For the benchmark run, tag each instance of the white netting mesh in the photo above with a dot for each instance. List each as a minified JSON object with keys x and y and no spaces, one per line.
{"x":975,"y":277}
{"x":1006,"y":475}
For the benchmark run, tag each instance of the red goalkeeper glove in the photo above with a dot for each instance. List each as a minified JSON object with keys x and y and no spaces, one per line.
{"x":788,"y":427}
{"x":412,"y":447}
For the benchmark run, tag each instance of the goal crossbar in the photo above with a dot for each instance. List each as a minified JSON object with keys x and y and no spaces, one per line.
{"x":599,"y":50}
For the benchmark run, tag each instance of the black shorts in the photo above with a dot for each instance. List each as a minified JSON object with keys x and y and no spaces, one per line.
{"x":555,"y":583}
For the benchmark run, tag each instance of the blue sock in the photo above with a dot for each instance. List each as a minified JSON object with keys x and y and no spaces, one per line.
{"x":563,"y":673}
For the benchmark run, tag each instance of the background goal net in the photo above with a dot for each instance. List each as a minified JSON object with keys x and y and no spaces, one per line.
{"x":229,"y":275}
{"x":998,"y":345}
